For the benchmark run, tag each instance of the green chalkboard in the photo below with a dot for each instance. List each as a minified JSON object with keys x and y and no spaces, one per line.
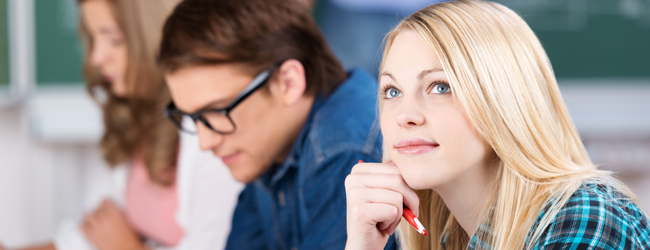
{"x":4,"y":47}
{"x":58,"y":48}
{"x":591,"y":38}
{"x":583,"y":38}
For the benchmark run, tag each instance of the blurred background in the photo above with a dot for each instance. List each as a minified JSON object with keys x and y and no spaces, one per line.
{"x":49,"y":127}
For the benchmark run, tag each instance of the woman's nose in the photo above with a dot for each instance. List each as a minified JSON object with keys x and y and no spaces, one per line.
{"x":99,"y":55}
{"x":410,"y":115}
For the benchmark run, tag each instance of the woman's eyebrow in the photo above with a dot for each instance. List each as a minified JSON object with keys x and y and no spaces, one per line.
{"x":419,"y":77}
{"x":388,"y":74}
{"x":108,"y":31}
{"x":428,"y":71}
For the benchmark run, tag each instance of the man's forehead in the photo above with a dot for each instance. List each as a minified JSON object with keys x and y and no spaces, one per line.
{"x":200,"y":87}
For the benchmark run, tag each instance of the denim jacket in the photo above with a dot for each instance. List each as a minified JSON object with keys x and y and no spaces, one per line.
{"x":300,"y":204}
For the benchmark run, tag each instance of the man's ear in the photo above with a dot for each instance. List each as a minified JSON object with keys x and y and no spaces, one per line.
{"x":291,"y":82}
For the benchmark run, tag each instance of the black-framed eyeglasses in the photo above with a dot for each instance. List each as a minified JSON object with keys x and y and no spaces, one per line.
{"x":217,"y":120}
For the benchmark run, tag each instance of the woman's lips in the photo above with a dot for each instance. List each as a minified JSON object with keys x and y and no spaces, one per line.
{"x":413,"y":146}
{"x":109,"y":78}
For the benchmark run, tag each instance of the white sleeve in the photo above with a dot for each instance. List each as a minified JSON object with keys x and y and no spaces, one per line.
{"x":99,"y":183}
{"x":69,"y":237}
{"x":207,"y":195}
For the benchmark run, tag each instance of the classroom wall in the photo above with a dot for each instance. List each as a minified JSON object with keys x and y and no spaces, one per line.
{"x":613,"y":119}
{"x":41,"y":181}
{"x":51,"y":168}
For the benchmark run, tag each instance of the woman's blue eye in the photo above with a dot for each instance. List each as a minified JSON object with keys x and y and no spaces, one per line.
{"x":440,"y":88}
{"x":392,"y":93}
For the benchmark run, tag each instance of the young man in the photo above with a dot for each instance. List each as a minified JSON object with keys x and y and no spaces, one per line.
{"x":269,"y":97}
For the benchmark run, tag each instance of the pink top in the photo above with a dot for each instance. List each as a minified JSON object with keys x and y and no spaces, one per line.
{"x":151,"y":208}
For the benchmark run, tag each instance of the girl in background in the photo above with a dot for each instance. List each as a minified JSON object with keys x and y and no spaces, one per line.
{"x":167,"y":194}
{"x":474,"y":122}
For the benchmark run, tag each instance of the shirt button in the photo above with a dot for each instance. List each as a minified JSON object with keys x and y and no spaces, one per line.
{"x":281,"y":199}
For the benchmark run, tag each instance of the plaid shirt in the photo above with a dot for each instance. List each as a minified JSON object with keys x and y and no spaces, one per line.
{"x":595,"y":217}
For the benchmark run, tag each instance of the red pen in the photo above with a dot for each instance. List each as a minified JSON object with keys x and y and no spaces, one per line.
{"x":410,"y":217}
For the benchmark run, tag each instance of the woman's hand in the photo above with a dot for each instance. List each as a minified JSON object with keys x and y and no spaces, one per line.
{"x":108,"y":229}
{"x":376,"y":195}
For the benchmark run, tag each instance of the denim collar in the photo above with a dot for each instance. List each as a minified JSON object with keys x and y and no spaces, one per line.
{"x":278,"y":170}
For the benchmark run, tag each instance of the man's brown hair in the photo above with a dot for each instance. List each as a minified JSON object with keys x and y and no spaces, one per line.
{"x":257,"y":33}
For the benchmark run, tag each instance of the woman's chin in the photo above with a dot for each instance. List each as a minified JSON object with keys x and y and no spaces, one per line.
{"x":419,"y":180}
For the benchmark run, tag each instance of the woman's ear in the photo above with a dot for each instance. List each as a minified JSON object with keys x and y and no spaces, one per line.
{"x":291,"y":82}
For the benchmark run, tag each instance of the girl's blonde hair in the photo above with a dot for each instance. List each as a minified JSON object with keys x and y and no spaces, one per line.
{"x":136,"y":124}
{"x":501,"y":76}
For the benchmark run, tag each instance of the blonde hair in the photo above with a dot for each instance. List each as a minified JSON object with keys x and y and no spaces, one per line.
{"x":501,"y":76}
{"x":135,"y":124}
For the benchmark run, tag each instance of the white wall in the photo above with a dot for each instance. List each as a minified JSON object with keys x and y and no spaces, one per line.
{"x":613,"y":118}
{"x":42,"y":179}
{"x":13,"y":148}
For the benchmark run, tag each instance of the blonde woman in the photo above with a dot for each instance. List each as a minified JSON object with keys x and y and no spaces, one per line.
{"x":474,"y":122}
{"x":164,"y":193}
